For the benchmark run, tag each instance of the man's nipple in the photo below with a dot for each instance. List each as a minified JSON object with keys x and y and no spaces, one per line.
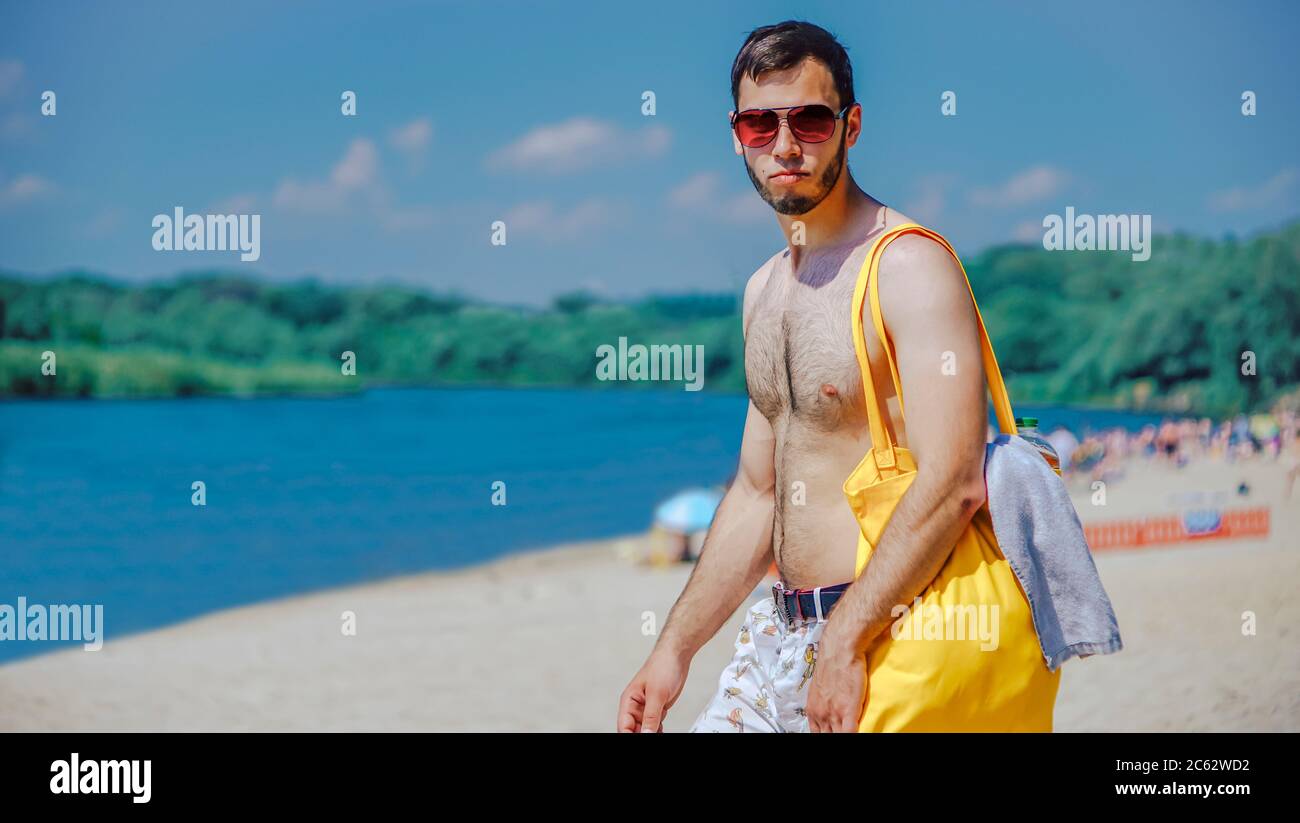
{"x":829,"y":390}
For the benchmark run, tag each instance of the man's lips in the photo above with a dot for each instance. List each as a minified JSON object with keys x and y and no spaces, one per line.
{"x":785,"y":178}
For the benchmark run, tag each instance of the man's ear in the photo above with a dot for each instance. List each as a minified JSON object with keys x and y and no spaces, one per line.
{"x":735,"y":141}
{"x":853,"y":124}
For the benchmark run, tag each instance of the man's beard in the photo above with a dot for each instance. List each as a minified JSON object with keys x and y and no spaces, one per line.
{"x":802,"y":203}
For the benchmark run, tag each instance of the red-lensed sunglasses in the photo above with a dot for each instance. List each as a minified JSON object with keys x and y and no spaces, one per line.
{"x":813,"y":123}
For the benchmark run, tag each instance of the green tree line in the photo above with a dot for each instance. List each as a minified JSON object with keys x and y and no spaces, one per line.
{"x":1098,"y":328}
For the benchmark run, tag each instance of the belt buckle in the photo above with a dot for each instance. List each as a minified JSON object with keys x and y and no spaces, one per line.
{"x":778,"y":595}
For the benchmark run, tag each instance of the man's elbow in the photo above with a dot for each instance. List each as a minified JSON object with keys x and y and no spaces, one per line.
{"x":958,"y":491}
{"x":970,"y":493}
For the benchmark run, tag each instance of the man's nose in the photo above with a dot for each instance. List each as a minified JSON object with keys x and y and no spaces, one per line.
{"x":786,"y":145}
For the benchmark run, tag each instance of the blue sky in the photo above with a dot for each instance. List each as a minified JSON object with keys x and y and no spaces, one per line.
{"x":531,"y":113}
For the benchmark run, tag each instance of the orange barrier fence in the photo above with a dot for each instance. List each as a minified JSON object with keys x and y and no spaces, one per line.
{"x":1202,"y":524}
{"x":1191,"y":526}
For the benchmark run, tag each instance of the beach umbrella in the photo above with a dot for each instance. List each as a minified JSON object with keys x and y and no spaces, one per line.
{"x":688,"y":511}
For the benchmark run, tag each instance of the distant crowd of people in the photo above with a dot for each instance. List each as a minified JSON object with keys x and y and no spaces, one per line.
{"x":1099,"y":454}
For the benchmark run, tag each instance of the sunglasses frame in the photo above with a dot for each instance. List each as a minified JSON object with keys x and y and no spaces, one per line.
{"x":735,"y":117}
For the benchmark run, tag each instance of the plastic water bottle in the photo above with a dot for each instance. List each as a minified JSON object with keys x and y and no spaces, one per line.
{"x":1027,"y":427}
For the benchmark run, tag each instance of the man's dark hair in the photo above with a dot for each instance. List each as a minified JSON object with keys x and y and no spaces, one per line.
{"x":785,"y":45}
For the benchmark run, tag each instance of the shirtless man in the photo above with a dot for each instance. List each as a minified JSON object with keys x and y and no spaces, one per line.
{"x":806,"y":426}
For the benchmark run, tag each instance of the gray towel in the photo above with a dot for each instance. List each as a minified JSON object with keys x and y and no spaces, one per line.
{"x":1040,"y":534}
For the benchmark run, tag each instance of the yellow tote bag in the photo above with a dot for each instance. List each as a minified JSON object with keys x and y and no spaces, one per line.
{"x":968,"y":658}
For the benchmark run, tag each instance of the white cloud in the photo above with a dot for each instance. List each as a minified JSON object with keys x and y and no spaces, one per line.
{"x":578,"y":143}
{"x":106,"y":222}
{"x":358,"y":168}
{"x":702,"y":195}
{"x":929,"y":198}
{"x":698,"y":190}
{"x":745,"y":208}
{"x":25,"y":188}
{"x":544,"y":218}
{"x":1030,"y":231}
{"x":356,"y":174}
{"x":354,"y":186}
{"x":413,"y":139}
{"x":1029,"y":186}
{"x":308,"y":198}
{"x":11,"y":74}
{"x":1272,"y":192}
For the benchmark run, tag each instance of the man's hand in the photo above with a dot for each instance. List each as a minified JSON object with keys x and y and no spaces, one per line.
{"x":838,"y":691}
{"x":647,"y":699}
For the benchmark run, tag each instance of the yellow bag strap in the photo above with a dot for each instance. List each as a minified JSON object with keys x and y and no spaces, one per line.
{"x":881,"y":443}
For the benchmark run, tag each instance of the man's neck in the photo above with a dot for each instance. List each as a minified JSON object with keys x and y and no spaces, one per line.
{"x":837,"y":219}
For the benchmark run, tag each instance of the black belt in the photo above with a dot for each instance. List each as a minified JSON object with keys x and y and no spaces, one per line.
{"x":806,"y":604}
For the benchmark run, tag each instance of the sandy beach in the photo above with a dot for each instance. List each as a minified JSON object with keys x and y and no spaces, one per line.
{"x":546,"y":641}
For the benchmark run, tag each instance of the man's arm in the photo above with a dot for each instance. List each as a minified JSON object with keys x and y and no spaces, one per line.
{"x":928,"y":314}
{"x":737,"y":550}
{"x":738,"y":547}
{"x":736,"y":554}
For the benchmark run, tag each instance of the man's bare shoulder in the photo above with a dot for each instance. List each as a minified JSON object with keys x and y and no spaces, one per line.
{"x":916,"y":253}
{"x":919,"y":277}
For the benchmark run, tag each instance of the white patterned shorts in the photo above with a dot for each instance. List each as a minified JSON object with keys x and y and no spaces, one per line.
{"x":765,"y":687}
